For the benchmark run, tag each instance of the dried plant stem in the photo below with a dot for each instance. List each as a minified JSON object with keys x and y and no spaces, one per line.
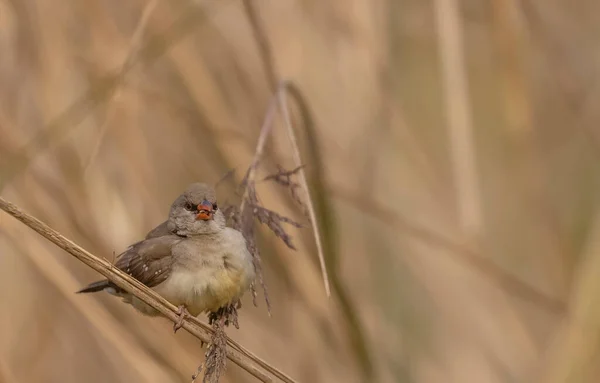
{"x":287,"y":121}
{"x":245,"y":219}
{"x":265,"y":130}
{"x":458,"y":112}
{"x":236,"y":353}
{"x":133,"y":50}
{"x":573,"y":354}
{"x":508,"y":30}
{"x":122,"y":343}
{"x":279,"y":99}
{"x":215,"y":363}
{"x":280,"y":88}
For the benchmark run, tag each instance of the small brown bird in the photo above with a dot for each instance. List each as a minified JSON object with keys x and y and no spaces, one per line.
{"x":193,"y":259}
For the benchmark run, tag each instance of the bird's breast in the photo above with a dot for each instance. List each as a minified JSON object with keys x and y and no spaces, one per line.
{"x":205,"y":288}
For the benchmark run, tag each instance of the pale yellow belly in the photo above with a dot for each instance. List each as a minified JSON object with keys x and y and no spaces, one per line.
{"x":202,"y":291}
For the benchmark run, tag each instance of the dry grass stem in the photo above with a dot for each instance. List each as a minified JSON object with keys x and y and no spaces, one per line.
{"x":281,"y":94}
{"x":264,"y":49}
{"x":451,"y":151}
{"x":280,"y":88}
{"x":216,"y":356}
{"x":122,"y":343}
{"x":133,"y":50}
{"x":458,"y":111}
{"x":97,"y":95}
{"x":236,"y":353}
{"x":244,"y":220}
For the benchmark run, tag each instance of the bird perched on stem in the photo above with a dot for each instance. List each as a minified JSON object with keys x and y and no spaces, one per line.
{"x":193,"y":259}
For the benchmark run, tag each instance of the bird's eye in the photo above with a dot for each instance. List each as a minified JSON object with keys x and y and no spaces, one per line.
{"x":189,"y":206}
{"x":215,"y":207}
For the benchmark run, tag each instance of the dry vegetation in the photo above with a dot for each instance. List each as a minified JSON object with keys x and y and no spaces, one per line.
{"x":451,"y":148}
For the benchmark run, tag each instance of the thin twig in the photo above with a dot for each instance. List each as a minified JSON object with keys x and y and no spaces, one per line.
{"x":236,"y":353}
{"x":287,"y":121}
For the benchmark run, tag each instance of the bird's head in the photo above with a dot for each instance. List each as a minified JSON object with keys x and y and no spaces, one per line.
{"x":196,"y":212}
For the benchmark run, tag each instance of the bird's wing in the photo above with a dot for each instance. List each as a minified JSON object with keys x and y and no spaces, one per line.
{"x":149,"y":261}
{"x":160,"y":230}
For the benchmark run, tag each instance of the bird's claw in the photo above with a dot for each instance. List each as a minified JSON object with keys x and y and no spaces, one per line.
{"x":225,"y":315}
{"x":183,"y":313}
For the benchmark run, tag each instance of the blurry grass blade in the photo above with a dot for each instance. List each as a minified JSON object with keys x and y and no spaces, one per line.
{"x":354,"y":328}
{"x":133,"y":50}
{"x":120,"y":341}
{"x":264,"y":48}
{"x":458,"y":111}
{"x":501,"y":277}
{"x":98,"y":94}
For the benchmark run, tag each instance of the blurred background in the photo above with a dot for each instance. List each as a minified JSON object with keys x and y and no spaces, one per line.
{"x":452,"y":148}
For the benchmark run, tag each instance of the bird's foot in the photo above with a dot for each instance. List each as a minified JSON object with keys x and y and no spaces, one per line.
{"x":213,"y":316}
{"x":225,"y":315}
{"x":183,"y":313}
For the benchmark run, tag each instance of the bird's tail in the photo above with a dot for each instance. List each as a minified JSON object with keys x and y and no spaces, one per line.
{"x":94,"y":287}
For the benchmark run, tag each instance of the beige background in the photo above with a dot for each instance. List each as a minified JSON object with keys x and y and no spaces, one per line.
{"x":425,"y":278}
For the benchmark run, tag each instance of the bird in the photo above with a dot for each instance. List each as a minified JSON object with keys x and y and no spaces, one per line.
{"x":192,"y":259}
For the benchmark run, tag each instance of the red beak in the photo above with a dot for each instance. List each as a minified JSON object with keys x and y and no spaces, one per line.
{"x":205,"y":211}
